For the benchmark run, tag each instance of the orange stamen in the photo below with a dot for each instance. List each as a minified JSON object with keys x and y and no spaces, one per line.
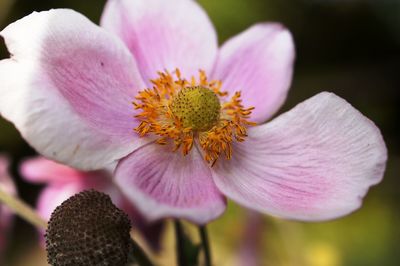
{"x":157,"y":117}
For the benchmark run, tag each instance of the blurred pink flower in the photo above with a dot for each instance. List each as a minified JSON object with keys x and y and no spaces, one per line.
{"x":6,"y":185}
{"x":62,"y":182}
{"x":251,"y":250}
{"x":69,"y":85}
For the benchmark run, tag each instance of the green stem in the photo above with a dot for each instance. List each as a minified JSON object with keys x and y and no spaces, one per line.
{"x":22,"y":209}
{"x":205,"y":244}
{"x":138,"y":255}
{"x":180,"y":253}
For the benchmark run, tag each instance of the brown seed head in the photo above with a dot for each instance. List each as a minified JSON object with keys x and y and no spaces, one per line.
{"x":88,"y":230}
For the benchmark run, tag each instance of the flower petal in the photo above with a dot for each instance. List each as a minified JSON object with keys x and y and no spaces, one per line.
{"x":315,"y":162}
{"x":55,"y":194}
{"x":164,"y":35}
{"x":258,"y":62}
{"x":68,"y":88}
{"x":251,"y":247}
{"x":162,"y":183}
{"x":152,"y":232}
{"x":65,"y":182}
{"x":41,"y":170}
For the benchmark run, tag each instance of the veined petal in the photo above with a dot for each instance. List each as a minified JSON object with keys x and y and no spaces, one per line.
{"x":68,"y":88}
{"x":258,"y":62}
{"x":162,"y":183}
{"x":164,"y":35}
{"x":315,"y":162}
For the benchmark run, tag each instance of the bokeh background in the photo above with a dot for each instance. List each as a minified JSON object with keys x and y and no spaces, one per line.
{"x":349,"y":47}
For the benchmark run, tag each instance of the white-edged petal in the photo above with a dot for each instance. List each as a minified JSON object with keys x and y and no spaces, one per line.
{"x":164,"y":35}
{"x":315,"y":162}
{"x":68,"y":88}
{"x":162,"y":183}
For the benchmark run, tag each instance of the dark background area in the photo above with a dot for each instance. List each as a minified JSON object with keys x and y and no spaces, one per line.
{"x":351,"y":48}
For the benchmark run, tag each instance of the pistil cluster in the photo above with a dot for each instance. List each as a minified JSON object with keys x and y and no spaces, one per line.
{"x":185,"y":112}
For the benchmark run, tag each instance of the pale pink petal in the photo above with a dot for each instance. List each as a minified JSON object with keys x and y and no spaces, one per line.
{"x":315,"y":162}
{"x":7,"y":186}
{"x":162,"y":183}
{"x":258,"y":62}
{"x":164,"y":35}
{"x":68,"y":88}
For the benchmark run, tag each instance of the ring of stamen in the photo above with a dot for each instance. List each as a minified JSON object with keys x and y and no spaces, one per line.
{"x":184,"y":111}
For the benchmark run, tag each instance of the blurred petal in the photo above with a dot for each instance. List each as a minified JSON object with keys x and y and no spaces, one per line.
{"x":42,"y":170}
{"x":258,"y":62}
{"x":68,"y":88}
{"x":152,"y":232}
{"x":315,"y":162}
{"x":53,"y":195}
{"x":164,"y":35}
{"x":162,"y":183}
{"x":65,"y":182}
{"x":251,"y":250}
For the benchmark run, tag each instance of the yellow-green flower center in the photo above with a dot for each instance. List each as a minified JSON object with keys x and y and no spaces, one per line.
{"x":188,"y":113}
{"x":197,"y":107}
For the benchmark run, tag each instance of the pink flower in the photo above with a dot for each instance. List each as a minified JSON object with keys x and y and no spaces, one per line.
{"x":69,"y":86}
{"x":6,"y":185}
{"x":63,"y":182}
{"x":251,"y":250}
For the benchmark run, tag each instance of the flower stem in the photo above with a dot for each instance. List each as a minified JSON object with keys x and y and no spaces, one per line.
{"x":138,"y":255}
{"x":180,"y":253}
{"x":22,"y":209}
{"x":205,"y":244}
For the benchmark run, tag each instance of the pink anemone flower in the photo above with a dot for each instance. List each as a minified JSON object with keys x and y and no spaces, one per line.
{"x":63,"y":182}
{"x":151,"y":90}
{"x":7,"y":186}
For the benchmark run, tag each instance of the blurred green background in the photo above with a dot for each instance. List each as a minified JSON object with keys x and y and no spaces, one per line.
{"x":351,"y":48}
